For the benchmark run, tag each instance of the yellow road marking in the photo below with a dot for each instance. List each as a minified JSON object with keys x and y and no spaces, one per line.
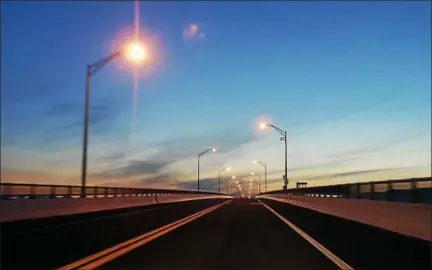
{"x":339,"y":262}
{"x":111,"y":253}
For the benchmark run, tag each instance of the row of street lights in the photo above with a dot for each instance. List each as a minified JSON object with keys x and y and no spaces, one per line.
{"x":137,"y":53}
{"x":262,"y":126}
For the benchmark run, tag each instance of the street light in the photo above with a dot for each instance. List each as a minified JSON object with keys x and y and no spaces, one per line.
{"x":263,"y":125}
{"x":259,"y":181}
{"x":265,"y":172}
{"x":134,"y":52}
{"x":224,"y":169}
{"x":199,"y":155}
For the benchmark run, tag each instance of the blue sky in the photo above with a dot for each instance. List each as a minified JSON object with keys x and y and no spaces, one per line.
{"x":349,"y":81}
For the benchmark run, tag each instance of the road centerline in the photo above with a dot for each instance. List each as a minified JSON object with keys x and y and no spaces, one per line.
{"x":113,"y":252}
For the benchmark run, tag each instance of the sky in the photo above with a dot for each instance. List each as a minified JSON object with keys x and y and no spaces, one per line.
{"x":350,"y":82}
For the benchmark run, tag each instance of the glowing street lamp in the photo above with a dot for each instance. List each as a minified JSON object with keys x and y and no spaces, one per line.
{"x":135,"y":53}
{"x":199,"y":155}
{"x":264,"y":125}
{"x":219,"y":172}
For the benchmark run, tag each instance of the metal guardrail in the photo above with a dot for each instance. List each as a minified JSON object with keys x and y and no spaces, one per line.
{"x":34,"y":191}
{"x":415,"y":190}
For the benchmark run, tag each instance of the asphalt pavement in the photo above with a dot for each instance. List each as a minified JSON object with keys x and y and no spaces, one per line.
{"x":242,"y":234}
{"x":48,"y":243}
{"x":208,"y":234}
{"x":361,"y":246}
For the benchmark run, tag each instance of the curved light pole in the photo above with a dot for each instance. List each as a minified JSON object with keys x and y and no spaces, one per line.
{"x":259,"y":181}
{"x":135,"y":53}
{"x":199,"y":155}
{"x":265,"y":173}
{"x":219,"y":173}
{"x":283,"y":138}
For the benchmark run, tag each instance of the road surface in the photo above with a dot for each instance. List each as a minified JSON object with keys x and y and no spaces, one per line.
{"x":242,"y":234}
{"x":209,"y":234}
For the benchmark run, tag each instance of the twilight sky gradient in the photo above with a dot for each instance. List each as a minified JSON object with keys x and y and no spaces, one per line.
{"x":349,"y":81}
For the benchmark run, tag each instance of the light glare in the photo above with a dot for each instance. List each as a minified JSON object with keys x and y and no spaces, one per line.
{"x":136,"y":52}
{"x":263,"y":125}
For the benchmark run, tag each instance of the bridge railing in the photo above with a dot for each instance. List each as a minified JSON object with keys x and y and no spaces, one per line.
{"x":34,"y":191}
{"x":416,"y":190}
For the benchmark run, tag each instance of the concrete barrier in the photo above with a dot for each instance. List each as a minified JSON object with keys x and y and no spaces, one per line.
{"x":410,"y":219}
{"x":19,"y":209}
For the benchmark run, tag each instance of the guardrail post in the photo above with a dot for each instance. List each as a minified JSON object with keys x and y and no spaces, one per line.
{"x":372,"y":191}
{"x":390,"y":192}
{"x":53,"y":192}
{"x":358,"y":192}
{"x":32,"y":192}
{"x":414,"y":193}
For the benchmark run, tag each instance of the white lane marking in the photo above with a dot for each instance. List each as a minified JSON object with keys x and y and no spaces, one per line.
{"x":339,"y":262}
{"x":104,"y":256}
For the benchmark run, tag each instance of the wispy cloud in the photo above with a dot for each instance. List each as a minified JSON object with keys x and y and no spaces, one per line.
{"x":135,"y":168}
{"x":206,"y":184}
{"x":160,"y":160}
{"x":60,"y":123}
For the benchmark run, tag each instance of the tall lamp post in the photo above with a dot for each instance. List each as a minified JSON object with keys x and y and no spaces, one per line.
{"x":283,"y":138}
{"x":259,"y":181}
{"x":135,"y":53}
{"x":199,"y":155}
{"x":219,"y":174}
{"x":265,"y":173}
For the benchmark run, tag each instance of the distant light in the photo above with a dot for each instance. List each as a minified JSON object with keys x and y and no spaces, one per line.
{"x":214,"y":149}
{"x":254,"y":161}
{"x":228,"y":169}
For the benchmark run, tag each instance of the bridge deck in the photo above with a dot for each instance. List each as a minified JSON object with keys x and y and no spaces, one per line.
{"x":238,"y":235}
{"x":241,"y":234}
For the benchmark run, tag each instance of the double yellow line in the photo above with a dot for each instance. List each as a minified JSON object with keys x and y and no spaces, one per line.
{"x":111,"y":253}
